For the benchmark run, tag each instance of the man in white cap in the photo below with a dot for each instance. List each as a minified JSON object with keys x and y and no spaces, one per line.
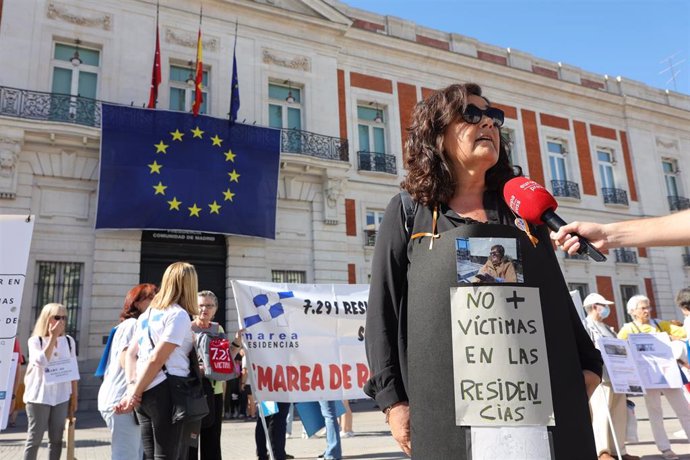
{"x":603,"y":399}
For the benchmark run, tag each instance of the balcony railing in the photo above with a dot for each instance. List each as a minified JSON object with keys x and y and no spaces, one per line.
{"x":686,"y":260}
{"x":37,"y":105}
{"x":379,"y":162}
{"x":369,"y":237}
{"x":565,"y":188}
{"x":315,"y":145}
{"x":678,"y":203}
{"x":615,"y":196}
{"x":625,"y":256}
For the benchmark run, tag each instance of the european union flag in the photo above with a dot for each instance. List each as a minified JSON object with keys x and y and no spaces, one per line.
{"x":169,"y":170}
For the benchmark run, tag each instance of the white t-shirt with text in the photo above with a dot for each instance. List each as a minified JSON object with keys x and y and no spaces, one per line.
{"x":114,"y":384}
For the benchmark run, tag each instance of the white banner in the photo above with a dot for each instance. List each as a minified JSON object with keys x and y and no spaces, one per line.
{"x":500,"y":362}
{"x":15,"y":241}
{"x":304,"y":342}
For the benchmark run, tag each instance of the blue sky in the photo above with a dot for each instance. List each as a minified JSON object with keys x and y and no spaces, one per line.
{"x":616,"y":37}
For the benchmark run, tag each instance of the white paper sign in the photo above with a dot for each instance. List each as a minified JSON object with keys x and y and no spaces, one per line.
{"x":61,"y":371}
{"x":500,"y":362}
{"x":15,"y":241}
{"x":514,"y":443}
{"x":620,"y":366}
{"x":6,"y":396}
{"x":304,"y":342}
{"x":654,"y":358}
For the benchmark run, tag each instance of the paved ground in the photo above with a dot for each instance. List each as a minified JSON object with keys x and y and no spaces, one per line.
{"x":371,"y":442}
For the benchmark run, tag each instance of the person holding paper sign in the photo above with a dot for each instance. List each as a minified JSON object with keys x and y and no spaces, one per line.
{"x":457,"y":166}
{"x":47,"y":405}
{"x":640,"y":310}
{"x":604,"y":400}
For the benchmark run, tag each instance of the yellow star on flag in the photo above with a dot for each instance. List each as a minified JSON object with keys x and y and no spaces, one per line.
{"x":228,"y":195}
{"x":177,"y":135}
{"x":216,"y":140}
{"x":234,"y":176}
{"x":215,"y":207}
{"x":174,"y":204}
{"x":155,"y":167}
{"x":197,"y":132}
{"x":160,"y":188}
{"x":160,"y":147}
{"x":194,"y":210}
{"x":229,"y":156}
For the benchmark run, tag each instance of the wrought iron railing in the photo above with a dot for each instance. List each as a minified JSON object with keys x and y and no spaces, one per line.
{"x":678,"y":203}
{"x":615,"y":196}
{"x":374,"y":161}
{"x":369,"y":237}
{"x":315,"y":145}
{"x":625,"y":256}
{"x":686,"y":260}
{"x":65,"y":108}
{"x":37,"y":105}
{"x":565,"y":188}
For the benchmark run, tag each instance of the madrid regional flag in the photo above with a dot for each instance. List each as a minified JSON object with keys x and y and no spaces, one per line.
{"x":173,"y":171}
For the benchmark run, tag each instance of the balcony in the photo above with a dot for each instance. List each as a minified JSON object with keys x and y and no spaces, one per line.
{"x":36,"y":105}
{"x":565,"y":188}
{"x":615,"y":196}
{"x":314,"y":145}
{"x":378,"y":162}
{"x":686,"y":260}
{"x":678,"y":203}
{"x":625,"y":256}
{"x":370,"y":238}
{"x":64,"y":108}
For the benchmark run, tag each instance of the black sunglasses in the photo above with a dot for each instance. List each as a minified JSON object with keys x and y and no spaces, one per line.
{"x":473,"y":115}
{"x":58,"y":318}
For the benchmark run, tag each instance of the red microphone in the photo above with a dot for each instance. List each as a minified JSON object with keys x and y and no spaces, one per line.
{"x":537,"y":206}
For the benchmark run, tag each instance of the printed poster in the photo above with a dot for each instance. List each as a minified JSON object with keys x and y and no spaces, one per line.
{"x":654,"y":358}
{"x":620,"y":366}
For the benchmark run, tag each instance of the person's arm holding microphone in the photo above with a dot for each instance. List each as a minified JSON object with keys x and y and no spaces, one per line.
{"x":670,"y":230}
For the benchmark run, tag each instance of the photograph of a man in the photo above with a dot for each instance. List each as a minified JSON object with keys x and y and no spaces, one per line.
{"x":498,"y":268}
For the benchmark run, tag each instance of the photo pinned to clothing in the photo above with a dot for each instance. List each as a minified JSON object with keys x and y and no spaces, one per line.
{"x":491,"y":260}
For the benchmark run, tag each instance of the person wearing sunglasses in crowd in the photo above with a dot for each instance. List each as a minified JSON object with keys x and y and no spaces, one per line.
{"x":457,"y":165}
{"x":498,"y":268}
{"x":48,"y":404}
{"x":126,"y":437}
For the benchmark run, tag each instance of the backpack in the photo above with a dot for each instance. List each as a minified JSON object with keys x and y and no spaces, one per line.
{"x":213,"y":348}
{"x":410,"y":209}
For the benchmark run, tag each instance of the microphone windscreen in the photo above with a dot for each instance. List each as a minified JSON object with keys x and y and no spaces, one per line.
{"x":528,"y":199}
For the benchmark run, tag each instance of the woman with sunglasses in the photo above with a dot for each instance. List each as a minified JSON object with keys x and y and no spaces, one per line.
{"x":125,"y":434}
{"x":457,"y":166}
{"x":48,"y":404}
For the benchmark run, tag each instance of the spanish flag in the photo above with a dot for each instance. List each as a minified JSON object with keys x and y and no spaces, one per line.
{"x":198,"y":78}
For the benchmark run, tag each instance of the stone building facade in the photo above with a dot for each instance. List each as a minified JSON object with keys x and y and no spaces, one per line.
{"x":341,"y":83}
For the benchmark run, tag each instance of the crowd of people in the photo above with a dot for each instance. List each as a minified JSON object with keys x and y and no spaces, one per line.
{"x":158,"y":337}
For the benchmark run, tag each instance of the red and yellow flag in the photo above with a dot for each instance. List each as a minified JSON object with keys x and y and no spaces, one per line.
{"x":198,"y":77}
{"x":156,"y":73}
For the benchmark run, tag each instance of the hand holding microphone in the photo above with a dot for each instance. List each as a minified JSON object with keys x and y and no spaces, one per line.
{"x":536,"y":205}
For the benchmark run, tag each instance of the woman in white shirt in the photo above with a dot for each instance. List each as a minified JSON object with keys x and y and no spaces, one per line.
{"x":163,"y":337}
{"x":126,"y":435}
{"x":47,"y":404}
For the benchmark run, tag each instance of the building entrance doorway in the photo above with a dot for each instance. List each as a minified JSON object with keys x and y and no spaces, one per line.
{"x":207,"y":252}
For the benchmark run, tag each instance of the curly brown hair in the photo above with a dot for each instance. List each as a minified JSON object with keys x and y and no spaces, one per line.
{"x":430,"y":179}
